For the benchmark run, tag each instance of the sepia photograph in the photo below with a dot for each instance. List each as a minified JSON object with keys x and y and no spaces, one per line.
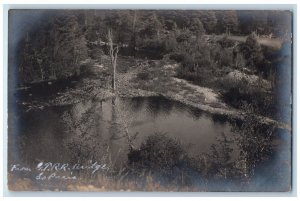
{"x":150,"y":100}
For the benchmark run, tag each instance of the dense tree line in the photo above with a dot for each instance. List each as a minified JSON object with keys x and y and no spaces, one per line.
{"x":62,"y":39}
{"x":53,"y":49}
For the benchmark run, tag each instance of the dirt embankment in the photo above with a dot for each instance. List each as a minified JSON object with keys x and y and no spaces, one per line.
{"x":161,"y":80}
{"x":150,"y":79}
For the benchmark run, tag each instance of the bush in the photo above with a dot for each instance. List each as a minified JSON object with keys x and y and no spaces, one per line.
{"x":183,"y":37}
{"x":262,"y":102}
{"x":226,"y":43}
{"x":86,"y":68}
{"x":151,"y":44}
{"x":143,"y":75}
{"x":177,"y":57}
{"x":252,"y":52}
{"x":158,"y":154}
{"x":96,"y":53}
{"x":170,"y":43}
{"x":254,"y":139}
{"x":226,"y":57}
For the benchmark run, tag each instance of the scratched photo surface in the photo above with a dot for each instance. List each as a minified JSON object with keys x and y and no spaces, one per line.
{"x":149,"y":100}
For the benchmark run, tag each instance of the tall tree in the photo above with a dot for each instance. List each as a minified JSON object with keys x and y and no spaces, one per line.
{"x":196,"y":26}
{"x":113,"y":52}
{"x":209,"y":20}
{"x":253,"y":52}
{"x":152,"y":26}
{"x":227,"y":21}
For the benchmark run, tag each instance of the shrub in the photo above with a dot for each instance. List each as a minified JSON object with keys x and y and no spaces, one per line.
{"x":86,"y":68}
{"x":170,"y":43}
{"x":96,"y":53}
{"x":183,"y":37}
{"x":151,"y":44}
{"x":226,"y":43}
{"x":252,"y":52}
{"x":226,"y":57}
{"x":262,"y":102}
{"x":254,"y":139}
{"x":158,"y":154}
{"x":143,"y":75}
{"x":177,"y":57}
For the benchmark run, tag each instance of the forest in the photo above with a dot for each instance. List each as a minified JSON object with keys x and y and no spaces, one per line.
{"x":89,"y":82}
{"x":206,"y":44}
{"x":61,"y":40}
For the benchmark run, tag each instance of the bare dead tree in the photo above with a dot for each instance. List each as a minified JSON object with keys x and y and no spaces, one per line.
{"x":113,"y":52}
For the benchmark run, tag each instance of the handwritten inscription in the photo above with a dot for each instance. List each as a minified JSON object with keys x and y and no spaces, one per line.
{"x":18,"y":167}
{"x":59,"y":171}
{"x":93,"y":166}
{"x":54,"y":175}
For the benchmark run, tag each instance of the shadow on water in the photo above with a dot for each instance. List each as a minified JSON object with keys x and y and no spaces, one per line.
{"x":219,"y":119}
{"x":44,"y":89}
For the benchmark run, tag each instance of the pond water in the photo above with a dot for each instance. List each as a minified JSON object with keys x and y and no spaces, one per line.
{"x":53,"y":134}
{"x":104,"y":131}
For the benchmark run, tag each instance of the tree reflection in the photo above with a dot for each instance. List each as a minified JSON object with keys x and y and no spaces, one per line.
{"x":136,"y":104}
{"x":219,"y":119}
{"x":159,"y":106}
{"x":85,"y":142}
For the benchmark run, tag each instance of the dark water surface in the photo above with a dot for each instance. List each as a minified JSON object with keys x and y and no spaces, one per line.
{"x":45,"y":134}
{"x":101,"y":131}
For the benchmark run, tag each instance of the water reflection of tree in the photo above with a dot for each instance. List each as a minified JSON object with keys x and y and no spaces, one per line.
{"x":192,"y":111}
{"x":84,"y":142}
{"x":196,"y":113}
{"x":229,"y":159}
{"x":159,"y":106}
{"x":120,"y":122}
{"x":219,"y":119}
{"x":136,"y":104}
{"x":113,"y":131}
{"x":94,"y":137}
